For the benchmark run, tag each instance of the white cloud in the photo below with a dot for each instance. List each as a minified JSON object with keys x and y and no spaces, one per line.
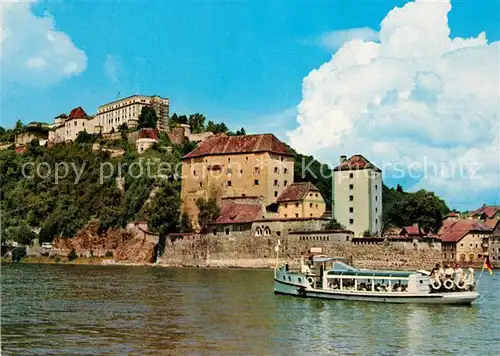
{"x":417,"y":93}
{"x":335,"y":39}
{"x":112,"y":67}
{"x":33,"y":51}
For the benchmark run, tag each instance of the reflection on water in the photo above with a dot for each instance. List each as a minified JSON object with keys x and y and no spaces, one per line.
{"x":54,"y":309}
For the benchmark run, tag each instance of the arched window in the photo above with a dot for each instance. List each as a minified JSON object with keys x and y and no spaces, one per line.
{"x":471,"y":257}
{"x":258,"y":231}
{"x":462,"y":257}
{"x":267,"y":231}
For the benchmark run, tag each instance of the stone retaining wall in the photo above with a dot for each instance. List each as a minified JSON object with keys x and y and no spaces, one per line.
{"x":258,"y":251}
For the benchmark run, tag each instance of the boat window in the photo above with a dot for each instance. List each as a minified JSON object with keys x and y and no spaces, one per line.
{"x":289,"y":278}
{"x":300,"y":280}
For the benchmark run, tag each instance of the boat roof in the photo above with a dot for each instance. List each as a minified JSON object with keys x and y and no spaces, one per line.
{"x":371,"y":273}
{"x":326,"y":259}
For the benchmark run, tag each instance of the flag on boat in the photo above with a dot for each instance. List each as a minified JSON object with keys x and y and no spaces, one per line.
{"x":487,"y":264}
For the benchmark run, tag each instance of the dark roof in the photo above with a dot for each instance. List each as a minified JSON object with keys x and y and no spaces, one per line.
{"x":232,"y":212}
{"x":455,"y":230}
{"x":223,"y":144}
{"x":356,"y":162}
{"x":296,"y":191}
{"x":488,"y":210}
{"x":77,"y":113}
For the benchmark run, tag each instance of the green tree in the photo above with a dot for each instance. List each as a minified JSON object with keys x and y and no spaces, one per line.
{"x":367,"y":233}
{"x":85,"y":137}
{"x":123,"y":127}
{"x":334,"y":225}
{"x":241,"y":132}
{"x":308,"y":169}
{"x":164,"y":210}
{"x":72,"y":255}
{"x":147,"y":118}
{"x":197,"y":123}
{"x":19,"y":127}
{"x":208,"y":211}
{"x":18,"y":254}
{"x":186,"y":225}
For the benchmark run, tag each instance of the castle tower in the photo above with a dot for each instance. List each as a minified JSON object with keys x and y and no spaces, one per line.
{"x":357,"y":195}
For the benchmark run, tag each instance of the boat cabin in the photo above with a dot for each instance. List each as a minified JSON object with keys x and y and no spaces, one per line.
{"x":332,"y":273}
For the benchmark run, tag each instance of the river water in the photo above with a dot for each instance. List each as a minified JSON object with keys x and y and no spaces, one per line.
{"x":118,"y":310}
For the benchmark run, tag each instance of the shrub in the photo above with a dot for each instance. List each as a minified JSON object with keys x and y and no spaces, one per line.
{"x":18,"y":254}
{"x":57,"y":259}
{"x":72,"y":255}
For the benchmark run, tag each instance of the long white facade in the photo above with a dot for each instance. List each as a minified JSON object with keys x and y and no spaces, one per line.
{"x":126,"y":111}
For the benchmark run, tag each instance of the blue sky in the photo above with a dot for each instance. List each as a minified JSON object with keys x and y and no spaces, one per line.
{"x":241,"y":62}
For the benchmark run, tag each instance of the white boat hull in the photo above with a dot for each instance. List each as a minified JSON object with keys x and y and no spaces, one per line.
{"x":299,"y":290}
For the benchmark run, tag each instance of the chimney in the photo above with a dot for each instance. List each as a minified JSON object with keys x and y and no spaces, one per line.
{"x":343,"y":158}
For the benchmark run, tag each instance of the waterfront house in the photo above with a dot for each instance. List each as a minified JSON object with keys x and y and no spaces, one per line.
{"x":301,"y":200}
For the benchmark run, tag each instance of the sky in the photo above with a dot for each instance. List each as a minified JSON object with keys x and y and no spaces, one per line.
{"x":413,"y":86}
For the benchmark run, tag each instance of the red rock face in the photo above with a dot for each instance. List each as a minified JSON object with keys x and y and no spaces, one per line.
{"x":126,"y":246}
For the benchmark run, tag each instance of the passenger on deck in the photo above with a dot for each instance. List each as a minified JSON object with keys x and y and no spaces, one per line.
{"x":458,"y":274}
{"x":448,"y":272}
{"x":441,"y":273}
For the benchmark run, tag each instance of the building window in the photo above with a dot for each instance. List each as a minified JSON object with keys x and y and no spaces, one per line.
{"x":376,"y":210}
{"x":286,"y":215}
{"x":229,"y":160}
{"x":214,"y":231}
{"x":256,"y":182}
{"x":310,"y":215}
{"x":351,"y":197}
{"x":275,"y":193}
{"x":194,"y":172}
{"x":351,"y":221}
{"x":347,"y":238}
{"x":275,"y":182}
{"x":316,"y":206}
{"x":376,"y":221}
{"x":229,"y":171}
{"x":281,"y":158}
{"x":376,"y":198}
{"x":285,"y":170}
{"x":296,"y":215}
{"x":286,"y":205}
{"x":241,"y":171}
{"x":297,"y":205}
{"x":316,"y":195}
{"x":310,"y":205}
{"x":351,"y":175}
{"x":226,"y":230}
{"x":461,"y":245}
{"x":285,"y":183}
{"x":351,"y":209}
{"x":376,"y":187}
{"x":278,"y":233}
{"x":229,"y":183}
{"x":201,"y":184}
{"x":351,"y":186}
{"x":276,"y":170}
{"x":476,"y":245}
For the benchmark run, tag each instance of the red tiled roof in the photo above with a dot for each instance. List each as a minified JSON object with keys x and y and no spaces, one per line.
{"x":355,"y":162}
{"x":148,"y":133}
{"x":491,"y":223}
{"x":223,"y":144}
{"x":453,"y":214}
{"x":77,"y":113}
{"x":412,"y":230}
{"x":296,"y":191}
{"x":489,"y":211}
{"x":454,"y":231}
{"x":237,"y":213}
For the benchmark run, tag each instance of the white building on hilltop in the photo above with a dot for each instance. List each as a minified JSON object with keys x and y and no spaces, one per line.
{"x":357,"y":195}
{"x":126,"y":111}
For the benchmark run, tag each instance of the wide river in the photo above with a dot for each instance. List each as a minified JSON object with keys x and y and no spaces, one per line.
{"x":117,"y":310}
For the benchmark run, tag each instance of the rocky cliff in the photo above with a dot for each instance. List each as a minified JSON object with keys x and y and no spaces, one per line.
{"x":125,"y":246}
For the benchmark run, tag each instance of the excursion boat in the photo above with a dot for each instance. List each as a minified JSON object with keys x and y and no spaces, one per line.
{"x":332,"y":278}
